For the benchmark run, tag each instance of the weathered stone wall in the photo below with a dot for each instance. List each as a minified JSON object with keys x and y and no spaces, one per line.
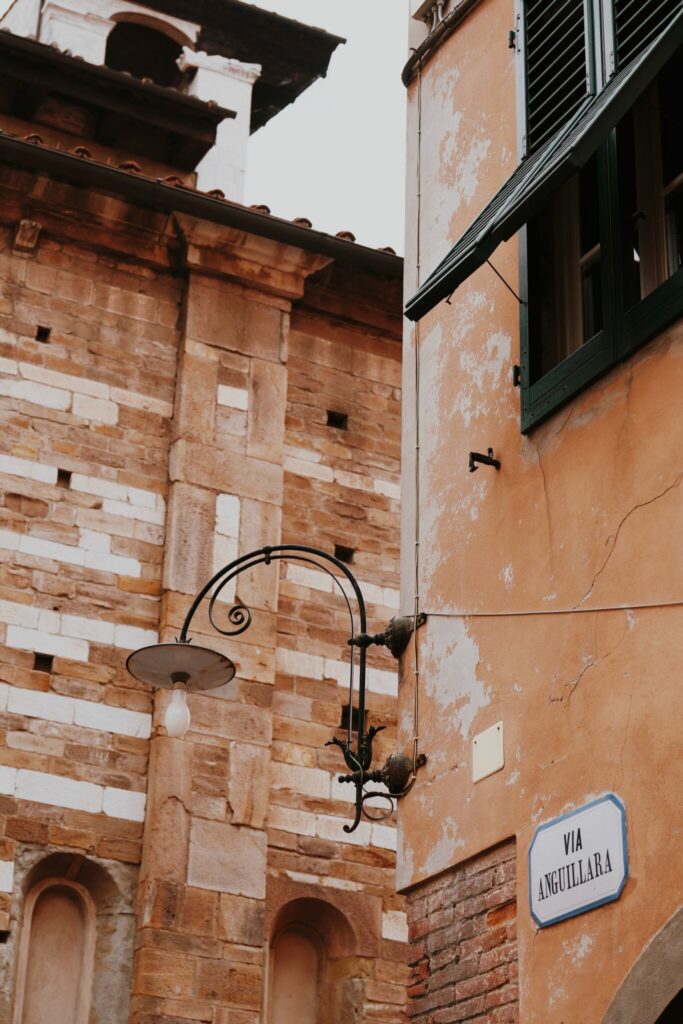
{"x":463,"y":950}
{"x":165,"y":386}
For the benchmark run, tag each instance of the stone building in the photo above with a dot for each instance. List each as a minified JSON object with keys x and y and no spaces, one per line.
{"x":183,"y":379}
{"x":540,"y":849}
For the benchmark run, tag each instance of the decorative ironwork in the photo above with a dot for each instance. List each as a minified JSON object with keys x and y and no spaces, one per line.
{"x":396,"y":773}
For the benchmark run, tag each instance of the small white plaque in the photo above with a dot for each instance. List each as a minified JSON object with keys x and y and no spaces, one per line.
{"x":488,"y":754}
{"x":578,"y":862}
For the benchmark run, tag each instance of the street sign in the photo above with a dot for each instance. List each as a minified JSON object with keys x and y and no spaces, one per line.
{"x":578,"y":861}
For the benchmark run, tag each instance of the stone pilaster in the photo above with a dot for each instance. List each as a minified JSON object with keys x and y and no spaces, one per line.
{"x":203,"y":879}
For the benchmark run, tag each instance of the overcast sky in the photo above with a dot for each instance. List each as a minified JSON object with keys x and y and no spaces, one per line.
{"x":337,"y":155}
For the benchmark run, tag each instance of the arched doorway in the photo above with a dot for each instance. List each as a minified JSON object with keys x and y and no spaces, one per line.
{"x":651,"y":993}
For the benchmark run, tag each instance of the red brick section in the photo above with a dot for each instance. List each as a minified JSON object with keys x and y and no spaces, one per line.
{"x":463,"y":949}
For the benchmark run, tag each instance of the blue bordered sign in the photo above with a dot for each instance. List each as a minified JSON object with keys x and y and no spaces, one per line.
{"x":578,"y":861}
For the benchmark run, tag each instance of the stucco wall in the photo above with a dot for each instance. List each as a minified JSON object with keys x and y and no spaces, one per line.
{"x":552,"y":587}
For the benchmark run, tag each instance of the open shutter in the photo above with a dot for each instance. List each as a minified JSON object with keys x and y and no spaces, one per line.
{"x":637,"y":22}
{"x":556,"y":65}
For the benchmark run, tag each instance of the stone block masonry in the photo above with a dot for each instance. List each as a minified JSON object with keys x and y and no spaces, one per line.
{"x":463,"y":949}
{"x":159,"y":420}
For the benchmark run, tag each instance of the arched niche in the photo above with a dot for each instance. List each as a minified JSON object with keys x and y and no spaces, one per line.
{"x":651,"y":991}
{"x":297,"y":962}
{"x":312,"y":965}
{"x":56,"y":954}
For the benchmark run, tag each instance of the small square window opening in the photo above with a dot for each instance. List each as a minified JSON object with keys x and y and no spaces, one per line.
{"x":340,"y":420}
{"x":43,"y":333}
{"x":63,"y":478}
{"x":344,"y":720}
{"x":343,"y":553}
{"x":42,"y":662}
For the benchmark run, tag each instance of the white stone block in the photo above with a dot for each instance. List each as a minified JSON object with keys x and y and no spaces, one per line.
{"x":328,"y":827}
{"x":342,"y":790}
{"x":133,"y":400}
{"x":97,"y":630}
{"x":314,"y":470}
{"x":6,"y":875}
{"x":97,"y":409}
{"x":41,"y":548}
{"x":46,"y":643}
{"x":4,"y":692}
{"x":14,"y":614}
{"x":380,"y":681}
{"x":145,"y":499}
{"x":395,"y":926}
{"x":295,"y":663}
{"x":49,"y":621}
{"x":235,"y":398}
{"x":224,"y":552}
{"x":312,"y":578}
{"x":123,"y":508}
{"x":354,"y":481}
{"x":388,"y":489}
{"x":341,"y":883}
{"x":36,"y":394}
{"x":228,"y":515}
{"x":132,"y":637}
{"x":8,"y":365}
{"x":106,"y":718}
{"x":27,"y":469}
{"x":372,"y":593}
{"x":118,"y":564}
{"x":307,"y":781}
{"x":288,"y":819}
{"x":306,"y":454}
{"x":8,"y":780}
{"x":9,"y":540}
{"x":100,"y":488}
{"x":392,"y":598}
{"x":338,"y":670}
{"x":51,"y":707}
{"x":92,"y":540}
{"x":80,"y":385}
{"x":58,"y":791}
{"x":123,"y":803}
{"x":384,"y":837}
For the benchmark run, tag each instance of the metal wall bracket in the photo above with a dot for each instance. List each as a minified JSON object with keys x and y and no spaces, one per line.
{"x":485,"y":460}
{"x":396,"y":636}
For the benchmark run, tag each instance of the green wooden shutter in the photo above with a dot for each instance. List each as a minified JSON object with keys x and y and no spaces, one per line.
{"x":556,"y":65}
{"x":637,"y":22}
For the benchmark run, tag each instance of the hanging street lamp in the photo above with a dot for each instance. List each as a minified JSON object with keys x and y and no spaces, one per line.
{"x":183,"y":667}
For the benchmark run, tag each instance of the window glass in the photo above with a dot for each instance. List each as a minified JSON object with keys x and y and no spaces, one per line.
{"x":565,"y":273}
{"x":671,"y":129}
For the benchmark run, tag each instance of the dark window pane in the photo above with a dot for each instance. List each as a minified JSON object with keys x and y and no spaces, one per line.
{"x":629,"y":215}
{"x":674,"y":231}
{"x":671,"y":114}
{"x":565,"y":273}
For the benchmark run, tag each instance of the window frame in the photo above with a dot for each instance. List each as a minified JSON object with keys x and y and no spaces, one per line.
{"x":624,"y":330}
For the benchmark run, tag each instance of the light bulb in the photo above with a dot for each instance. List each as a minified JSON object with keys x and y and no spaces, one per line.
{"x":177,"y":719}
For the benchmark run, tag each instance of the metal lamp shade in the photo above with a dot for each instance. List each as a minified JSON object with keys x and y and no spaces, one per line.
{"x":165,"y":665}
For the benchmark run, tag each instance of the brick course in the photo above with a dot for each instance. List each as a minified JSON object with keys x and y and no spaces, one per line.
{"x":463,"y":950}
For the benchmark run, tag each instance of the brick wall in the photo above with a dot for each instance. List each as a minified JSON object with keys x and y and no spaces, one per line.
{"x":463,"y":950}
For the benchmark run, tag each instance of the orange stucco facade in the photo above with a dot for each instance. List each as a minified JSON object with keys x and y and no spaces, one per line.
{"x":552,"y":587}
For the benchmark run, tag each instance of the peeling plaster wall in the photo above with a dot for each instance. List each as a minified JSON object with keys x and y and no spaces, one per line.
{"x":554,"y":586}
